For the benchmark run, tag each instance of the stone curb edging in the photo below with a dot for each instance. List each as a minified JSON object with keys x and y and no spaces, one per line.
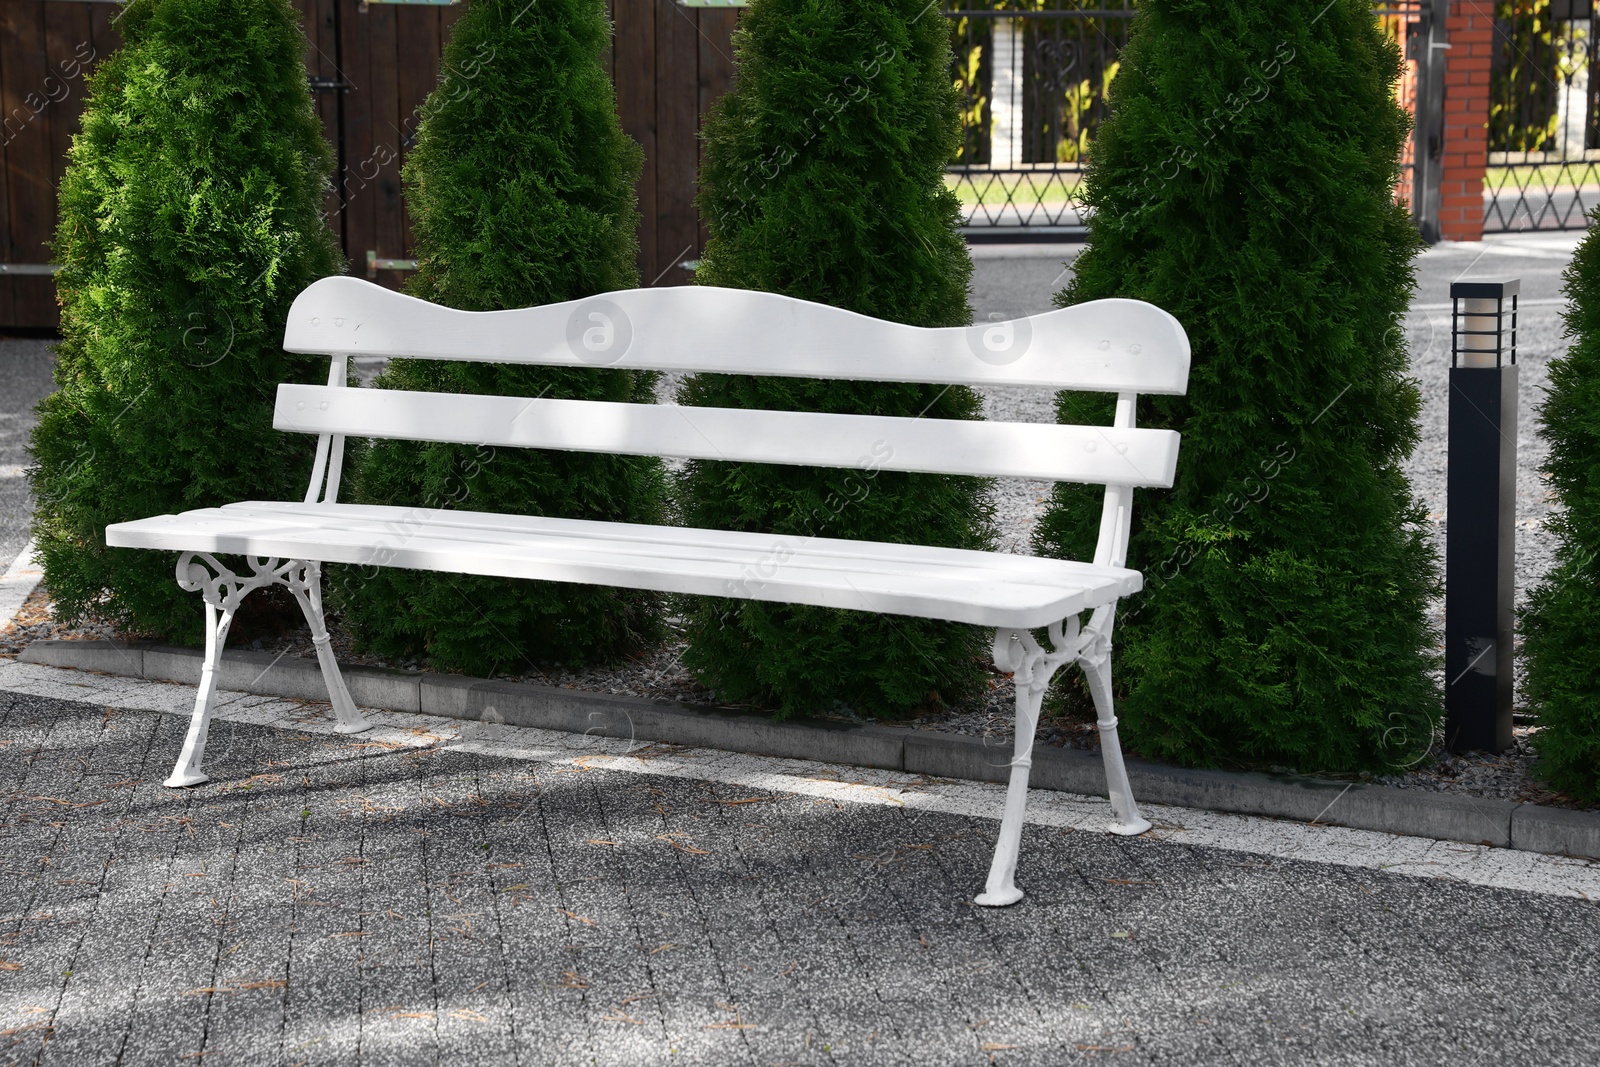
{"x":1414,"y":812}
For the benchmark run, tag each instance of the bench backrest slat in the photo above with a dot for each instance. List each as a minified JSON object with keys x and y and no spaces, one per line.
{"x":1105,"y":346}
{"x":1089,"y":454}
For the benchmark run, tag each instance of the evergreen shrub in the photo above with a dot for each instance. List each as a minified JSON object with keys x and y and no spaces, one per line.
{"x":824,"y":179}
{"x":1561,"y":644}
{"x":191,"y":214}
{"x":521,"y":192}
{"x":1245,"y":182}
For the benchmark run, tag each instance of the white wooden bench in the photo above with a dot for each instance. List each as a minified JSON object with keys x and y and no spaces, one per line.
{"x":1113,"y":346}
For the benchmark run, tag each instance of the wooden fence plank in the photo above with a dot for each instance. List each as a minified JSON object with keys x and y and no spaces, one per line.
{"x":359,"y":174}
{"x":677,"y":160}
{"x":30,"y":193}
{"x":321,"y":25}
{"x":420,"y":43}
{"x":716,"y":77}
{"x":447,"y":19}
{"x":636,"y":106}
{"x":69,"y":56}
{"x":7,"y":294}
{"x":103,"y":28}
{"x":383,"y":89}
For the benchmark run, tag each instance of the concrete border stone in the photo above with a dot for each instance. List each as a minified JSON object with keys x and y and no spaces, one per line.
{"x":1443,"y":816}
{"x":446,"y":694}
{"x":381,"y":687}
{"x":104,"y":657}
{"x":1562,"y":831}
{"x":642,"y":719}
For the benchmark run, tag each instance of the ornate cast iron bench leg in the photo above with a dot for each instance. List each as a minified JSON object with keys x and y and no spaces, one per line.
{"x":1097,"y":672}
{"x":188,"y":771}
{"x":223,"y":591}
{"x":306,"y":585}
{"x":1031,"y":668}
{"x":1016,"y":651}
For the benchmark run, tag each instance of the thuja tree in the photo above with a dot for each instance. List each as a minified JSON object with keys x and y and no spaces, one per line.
{"x":823,"y":179}
{"x":520,"y":190}
{"x":190,"y":216}
{"x":1561,"y":644}
{"x":1245,"y":182}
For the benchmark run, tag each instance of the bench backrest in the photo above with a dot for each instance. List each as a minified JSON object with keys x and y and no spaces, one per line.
{"x":1125,"y":347}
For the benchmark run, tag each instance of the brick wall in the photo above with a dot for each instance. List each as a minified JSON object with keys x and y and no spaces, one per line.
{"x":1470,"y":29}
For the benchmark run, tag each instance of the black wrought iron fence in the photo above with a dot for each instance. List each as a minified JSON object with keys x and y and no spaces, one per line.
{"x":1034,"y":78}
{"x":1544,"y":125}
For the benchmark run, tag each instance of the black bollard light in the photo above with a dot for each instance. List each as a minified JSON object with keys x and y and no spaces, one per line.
{"x":1481,"y":503}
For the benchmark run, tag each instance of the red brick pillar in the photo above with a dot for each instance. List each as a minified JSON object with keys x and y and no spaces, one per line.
{"x":1470,"y":32}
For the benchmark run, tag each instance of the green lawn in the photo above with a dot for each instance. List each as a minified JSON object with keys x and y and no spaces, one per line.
{"x":1052,"y":189}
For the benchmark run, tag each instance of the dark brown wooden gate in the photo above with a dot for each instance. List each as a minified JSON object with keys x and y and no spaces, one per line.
{"x":371,"y":65}
{"x":669,"y":63}
{"x":45,"y":51}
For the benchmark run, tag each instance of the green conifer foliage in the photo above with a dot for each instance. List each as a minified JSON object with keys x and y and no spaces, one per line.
{"x":520,"y":190}
{"x":1245,"y":182}
{"x":823,"y":179}
{"x":190,"y":217}
{"x":1561,"y":642}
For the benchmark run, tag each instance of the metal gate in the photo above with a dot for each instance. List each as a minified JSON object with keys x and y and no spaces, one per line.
{"x":1033,"y":86}
{"x":1417,"y":28}
{"x":1544,"y":127}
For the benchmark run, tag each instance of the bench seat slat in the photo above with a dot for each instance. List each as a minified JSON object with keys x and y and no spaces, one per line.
{"x":973,"y":587}
{"x":1096,"y":455}
{"x":1108,"y":346}
{"x":733,"y":545}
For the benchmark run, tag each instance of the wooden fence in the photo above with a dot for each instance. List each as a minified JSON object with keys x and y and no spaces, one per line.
{"x":45,"y":51}
{"x":371,"y":65}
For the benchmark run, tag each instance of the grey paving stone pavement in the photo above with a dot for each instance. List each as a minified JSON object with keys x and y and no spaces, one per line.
{"x":345,"y":900}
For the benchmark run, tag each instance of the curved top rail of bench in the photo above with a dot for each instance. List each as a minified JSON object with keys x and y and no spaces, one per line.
{"x":1102,"y":346}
